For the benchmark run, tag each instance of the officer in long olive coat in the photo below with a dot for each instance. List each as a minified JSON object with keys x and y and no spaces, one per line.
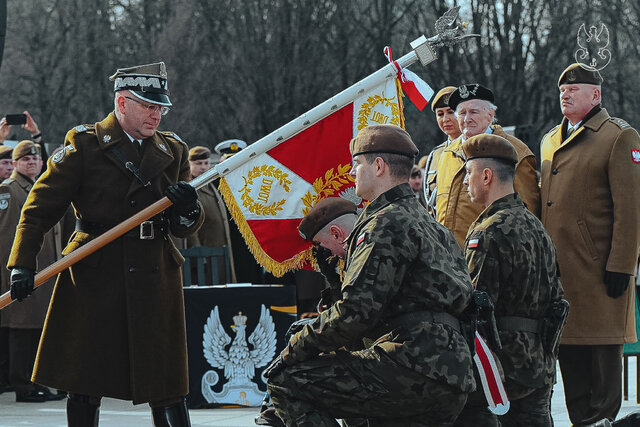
{"x":591,"y":209}
{"x":116,"y":323}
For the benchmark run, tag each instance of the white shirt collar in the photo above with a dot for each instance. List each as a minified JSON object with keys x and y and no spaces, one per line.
{"x":139,"y":141}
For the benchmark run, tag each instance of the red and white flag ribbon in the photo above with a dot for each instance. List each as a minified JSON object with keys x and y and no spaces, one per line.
{"x":418,"y":91}
{"x":490,"y":377}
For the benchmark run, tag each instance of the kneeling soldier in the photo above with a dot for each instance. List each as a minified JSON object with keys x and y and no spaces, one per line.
{"x":512,"y":258}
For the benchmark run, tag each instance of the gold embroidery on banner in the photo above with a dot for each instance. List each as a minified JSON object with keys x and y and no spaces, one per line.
{"x":367,"y":112}
{"x":260,"y":207}
{"x":324,"y":188}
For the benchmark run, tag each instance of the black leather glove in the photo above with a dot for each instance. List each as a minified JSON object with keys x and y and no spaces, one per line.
{"x":327,"y":263}
{"x":21,"y":283}
{"x":276,"y":366}
{"x":185,"y":200}
{"x":297,"y":326}
{"x":617,"y":283}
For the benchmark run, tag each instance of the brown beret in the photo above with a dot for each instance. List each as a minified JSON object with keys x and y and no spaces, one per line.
{"x":441,"y":99}
{"x":383,"y":139}
{"x":199,"y":153}
{"x":322,"y":213}
{"x":487,"y":145}
{"x":468,"y":92}
{"x":5,"y":152}
{"x":580,"y":73}
{"x":25,"y":148}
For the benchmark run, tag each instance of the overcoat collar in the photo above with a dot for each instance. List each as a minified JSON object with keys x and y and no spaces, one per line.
{"x":506,"y":202}
{"x":156,"y":155}
{"x":593,"y":123}
{"x":22,"y":180}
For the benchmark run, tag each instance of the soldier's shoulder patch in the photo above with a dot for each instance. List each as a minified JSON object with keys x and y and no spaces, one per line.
{"x":363,"y":237}
{"x":57,"y":158}
{"x":4,"y":200}
{"x":473,"y":243}
{"x":620,"y":123}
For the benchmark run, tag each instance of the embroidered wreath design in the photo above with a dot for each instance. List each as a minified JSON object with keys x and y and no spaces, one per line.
{"x":256,"y":207}
{"x":372,"y":101}
{"x":326,"y":187}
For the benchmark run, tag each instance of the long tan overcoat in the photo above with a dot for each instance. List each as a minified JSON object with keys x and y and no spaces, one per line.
{"x":591,"y":209}
{"x":30,"y":313}
{"x":454,"y":208}
{"x":116,"y":323}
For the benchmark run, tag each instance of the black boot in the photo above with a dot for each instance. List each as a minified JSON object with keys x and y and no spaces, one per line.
{"x":82,"y":411}
{"x":631,"y":420}
{"x":171,"y":416}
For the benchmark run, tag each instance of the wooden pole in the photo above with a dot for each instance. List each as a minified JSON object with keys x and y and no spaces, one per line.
{"x":97,"y":243}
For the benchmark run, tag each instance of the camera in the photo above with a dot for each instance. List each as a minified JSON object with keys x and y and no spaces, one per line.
{"x":16,"y":119}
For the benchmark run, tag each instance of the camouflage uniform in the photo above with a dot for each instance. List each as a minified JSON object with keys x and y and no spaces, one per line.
{"x":512,"y":258}
{"x":401,"y":265}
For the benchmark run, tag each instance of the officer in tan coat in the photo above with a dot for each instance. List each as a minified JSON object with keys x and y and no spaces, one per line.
{"x":475,"y":110}
{"x":24,"y":321}
{"x":591,"y":208}
{"x":115,"y":325}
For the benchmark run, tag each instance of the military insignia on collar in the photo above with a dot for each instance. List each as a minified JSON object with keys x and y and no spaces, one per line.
{"x":361,"y":238}
{"x":473,"y":243}
{"x":164,"y":148}
{"x":635,"y":155}
{"x":106,"y":139}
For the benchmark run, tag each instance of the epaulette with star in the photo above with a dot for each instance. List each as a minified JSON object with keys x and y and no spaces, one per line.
{"x":84,"y":128}
{"x":172,"y":135}
{"x":620,"y":123}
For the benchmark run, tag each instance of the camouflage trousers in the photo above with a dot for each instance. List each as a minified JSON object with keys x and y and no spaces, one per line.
{"x":359,"y":385}
{"x":529,"y":407}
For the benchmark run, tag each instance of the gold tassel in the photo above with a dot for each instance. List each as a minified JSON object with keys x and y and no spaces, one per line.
{"x":400,"y":103}
{"x":274,"y":267}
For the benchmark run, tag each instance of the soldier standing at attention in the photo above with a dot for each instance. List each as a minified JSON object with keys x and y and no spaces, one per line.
{"x":405,"y":285}
{"x":116,"y":323}
{"x":512,"y":258}
{"x":447,"y":122}
{"x":475,"y":110}
{"x":591,"y":209}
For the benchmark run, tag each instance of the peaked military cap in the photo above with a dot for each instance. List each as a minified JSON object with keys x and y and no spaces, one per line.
{"x":441,"y":99}
{"x":383,"y":139}
{"x":5,"y":152}
{"x":25,"y":148}
{"x":199,"y":153}
{"x":487,"y":145}
{"x":322,"y":213}
{"x":468,"y":92}
{"x":580,"y":73}
{"x":230,"y":146}
{"x":148,"y":82}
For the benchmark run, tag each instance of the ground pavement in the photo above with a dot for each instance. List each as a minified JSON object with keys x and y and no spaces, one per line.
{"x":116,"y":413}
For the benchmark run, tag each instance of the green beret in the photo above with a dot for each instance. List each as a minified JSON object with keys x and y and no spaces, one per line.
{"x":25,"y":148}
{"x":147,"y":82}
{"x":5,"y":152}
{"x":441,"y":99}
{"x":322,"y":213}
{"x":580,"y":73}
{"x":469,"y":92}
{"x":199,"y":153}
{"x":487,"y":145}
{"x":383,"y":139}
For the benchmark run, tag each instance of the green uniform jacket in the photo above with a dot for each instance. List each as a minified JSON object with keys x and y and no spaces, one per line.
{"x":116,"y":323}
{"x":512,"y":258}
{"x":591,"y":209}
{"x":399,"y":261}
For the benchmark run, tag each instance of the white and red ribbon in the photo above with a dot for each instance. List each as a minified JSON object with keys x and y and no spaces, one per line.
{"x":490,"y":377}
{"x":418,"y":91}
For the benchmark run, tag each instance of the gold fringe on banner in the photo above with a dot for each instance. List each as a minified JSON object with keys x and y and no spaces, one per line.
{"x":274,"y":267}
{"x":400,"y":103}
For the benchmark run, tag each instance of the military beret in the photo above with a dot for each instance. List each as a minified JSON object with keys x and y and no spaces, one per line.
{"x":468,"y":92}
{"x":487,"y":145}
{"x":148,"y":82}
{"x":416,"y":171}
{"x":5,"y":152}
{"x":199,"y":153}
{"x":25,"y":148}
{"x":580,"y":73}
{"x":383,"y":139}
{"x":230,"y":146}
{"x":441,"y":99}
{"x":322,"y":213}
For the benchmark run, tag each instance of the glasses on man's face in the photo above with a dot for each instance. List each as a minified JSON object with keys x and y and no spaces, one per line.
{"x":151,"y":108}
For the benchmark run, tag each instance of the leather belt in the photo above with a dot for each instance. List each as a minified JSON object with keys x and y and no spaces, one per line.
{"x":421,"y":316}
{"x":145,"y":231}
{"x":517,"y":323}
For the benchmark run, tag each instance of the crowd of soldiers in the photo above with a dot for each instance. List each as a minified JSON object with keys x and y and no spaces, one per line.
{"x":481,"y":249}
